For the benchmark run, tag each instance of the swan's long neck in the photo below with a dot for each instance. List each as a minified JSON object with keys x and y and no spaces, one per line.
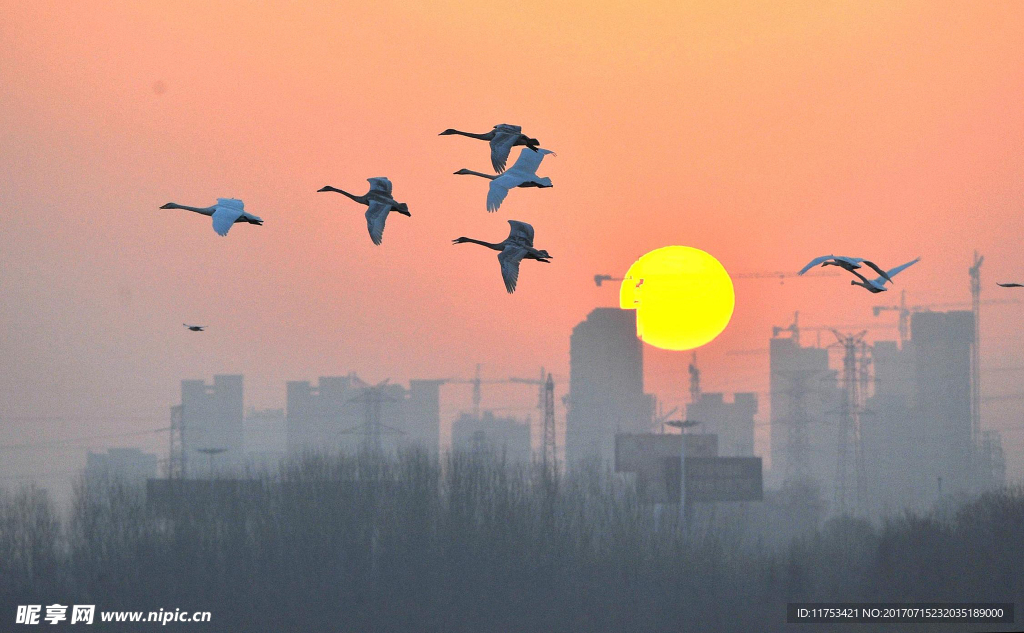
{"x":359,"y":199}
{"x":202,"y":210}
{"x":496,"y":247}
{"x":482,"y":137}
{"x":470,"y":172}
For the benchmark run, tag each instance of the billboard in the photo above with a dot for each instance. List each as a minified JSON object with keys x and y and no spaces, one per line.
{"x":717,"y":478}
{"x":654,"y":458}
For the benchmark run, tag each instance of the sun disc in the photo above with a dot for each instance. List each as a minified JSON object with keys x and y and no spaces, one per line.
{"x":683,"y":296}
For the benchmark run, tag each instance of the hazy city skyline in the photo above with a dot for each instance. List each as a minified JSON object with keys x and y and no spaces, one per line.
{"x":803,"y":125}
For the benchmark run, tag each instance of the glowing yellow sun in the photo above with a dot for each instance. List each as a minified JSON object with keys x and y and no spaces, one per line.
{"x":683,"y":297}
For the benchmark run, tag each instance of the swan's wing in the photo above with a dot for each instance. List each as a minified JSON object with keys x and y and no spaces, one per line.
{"x":815,"y":262}
{"x":527,"y":163}
{"x":894,"y":271}
{"x":226,"y":213}
{"x":862,"y":277}
{"x":376,"y":215}
{"x":1010,"y":285}
{"x":849,"y":260}
{"x":873,"y":266}
{"x":234,"y":203}
{"x":380,"y":184}
{"x":509,"y":260}
{"x":501,"y":145}
{"x":499,"y":189}
{"x":521,"y":232}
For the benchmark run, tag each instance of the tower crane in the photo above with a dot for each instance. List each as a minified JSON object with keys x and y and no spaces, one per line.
{"x":546,"y":406}
{"x":476,"y":382}
{"x":780,"y":275}
{"x":783,"y":275}
{"x":599,"y":279}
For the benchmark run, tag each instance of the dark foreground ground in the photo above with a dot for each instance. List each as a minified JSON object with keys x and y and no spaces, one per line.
{"x":334,"y":544}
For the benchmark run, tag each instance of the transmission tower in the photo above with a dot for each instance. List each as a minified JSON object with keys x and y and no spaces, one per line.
{"x":849,"y":425}
{"x":372,"y":428}
{"x":550,"y":456}
{"x":176,"y":452}
{"x":798,"y":444}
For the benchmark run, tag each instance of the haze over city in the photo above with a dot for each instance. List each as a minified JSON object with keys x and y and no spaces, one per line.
{"x":227,"y":393}
{"x":757,"y":133}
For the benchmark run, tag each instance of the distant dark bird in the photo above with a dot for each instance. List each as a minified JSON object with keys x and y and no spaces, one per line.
{"x":849,"y":263}
{"x":195,"y":328}
{"x":379,"y":202}
{"x":226,"y":212}
{"x":516,"y":247}
{"x":502,"y":139}
{"x":1010,"y":285}
{"x":523,"y":173}
{"x":878,"y":285}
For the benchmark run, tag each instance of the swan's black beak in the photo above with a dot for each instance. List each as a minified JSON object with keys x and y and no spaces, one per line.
{"x":323,"y":189}
{"x":169,"y":205}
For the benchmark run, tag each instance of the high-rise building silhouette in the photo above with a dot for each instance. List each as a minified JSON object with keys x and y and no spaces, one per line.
{"x":802,"y":438}
{"x":265,"y":437}
{"x":888,"y":435}
{"x":341,"y":414}
{"x":505,"y":437}
{"x":732,"y":422}
{"x":130,"y":465}
{"x":917,"y":432}
{"x":606,"y":385}
{"x":422,"y":414}
{"x":212,"y":417}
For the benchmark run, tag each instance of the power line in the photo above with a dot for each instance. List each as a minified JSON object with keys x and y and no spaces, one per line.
{"x":80,"y":439}
{"x":46,"y":475}
{"x":74,"y":418}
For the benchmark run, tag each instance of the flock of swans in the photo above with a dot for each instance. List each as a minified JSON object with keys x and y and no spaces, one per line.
{"x":519,"y":244}
{"x":853,"y":264}
{"x":380,"y":202}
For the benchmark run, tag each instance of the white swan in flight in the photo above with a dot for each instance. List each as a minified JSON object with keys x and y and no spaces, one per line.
{"x":379,"y":202}
{"x":516,"y":247}
{"x":502,"y":139}
{"x":878,"y":285}
{"x":849,"y":263}
{"x":226,"y":212}
{"x":195,"y":328}
{"x":523,"y":173}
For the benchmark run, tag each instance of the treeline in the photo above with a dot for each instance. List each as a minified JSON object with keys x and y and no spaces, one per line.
{"x":471,"y":543}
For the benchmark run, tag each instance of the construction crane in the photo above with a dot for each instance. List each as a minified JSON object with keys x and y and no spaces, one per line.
{"x":599,"y":279}
{"x":476,"y":382}
{"x":546,"y":406}
{"x":780,"y":275}
{"x":694,"y":380}
{"x":904,"y":311}
{"x":795,"y":328}
{"x":783,"y":275}
{"x":974,"y":272}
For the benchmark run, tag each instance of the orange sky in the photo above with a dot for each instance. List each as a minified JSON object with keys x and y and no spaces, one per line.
{"x":763,"y":134}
